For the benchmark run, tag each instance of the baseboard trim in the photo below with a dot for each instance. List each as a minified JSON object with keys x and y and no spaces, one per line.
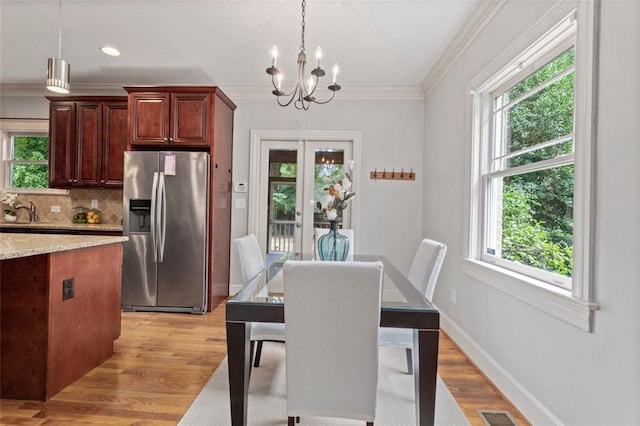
{"x":530,"y":407}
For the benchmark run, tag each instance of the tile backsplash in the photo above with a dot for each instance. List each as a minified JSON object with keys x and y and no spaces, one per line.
{"x":109,"y":203}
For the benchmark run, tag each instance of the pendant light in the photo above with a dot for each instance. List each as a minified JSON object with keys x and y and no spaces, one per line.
{"x":58,"y":68}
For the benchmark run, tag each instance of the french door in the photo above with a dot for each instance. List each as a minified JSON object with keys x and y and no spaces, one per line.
{"x":286,"y":176}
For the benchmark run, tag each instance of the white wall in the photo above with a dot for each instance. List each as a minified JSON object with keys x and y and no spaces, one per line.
{"x":392,"y":135}
{"x":24,"y":107}
{"x":565,"y":375}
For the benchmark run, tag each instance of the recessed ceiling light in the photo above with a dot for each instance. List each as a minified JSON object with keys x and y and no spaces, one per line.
{"x":111,"y":51}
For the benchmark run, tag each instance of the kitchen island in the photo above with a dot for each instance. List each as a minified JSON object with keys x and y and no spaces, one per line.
{"x":60,"y":304}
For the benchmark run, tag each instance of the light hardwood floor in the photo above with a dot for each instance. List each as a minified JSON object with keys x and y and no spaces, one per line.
{"x":162,"y":361}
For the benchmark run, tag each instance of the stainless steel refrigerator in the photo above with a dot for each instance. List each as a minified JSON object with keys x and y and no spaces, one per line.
{"x":165,"y":202}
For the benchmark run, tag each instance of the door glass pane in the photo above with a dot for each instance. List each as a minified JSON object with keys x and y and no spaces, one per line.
{"x":328,"y":165}
{"x":282,"y":202}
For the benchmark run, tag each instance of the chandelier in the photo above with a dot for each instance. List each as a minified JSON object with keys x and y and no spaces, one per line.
{"x":302,"y":93}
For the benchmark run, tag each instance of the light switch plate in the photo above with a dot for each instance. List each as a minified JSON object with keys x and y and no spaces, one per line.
{"x":55,"y":209}
{"x":241,"y":203}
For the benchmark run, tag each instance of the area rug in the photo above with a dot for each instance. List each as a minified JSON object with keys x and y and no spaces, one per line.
{"x":268,"y":403}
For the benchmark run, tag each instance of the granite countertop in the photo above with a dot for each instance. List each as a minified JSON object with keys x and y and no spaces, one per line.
{"x":64,"y":225}
{"x":23,"y":245}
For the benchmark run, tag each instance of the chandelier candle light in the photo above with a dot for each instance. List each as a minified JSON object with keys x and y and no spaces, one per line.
{"x":302,"y":93}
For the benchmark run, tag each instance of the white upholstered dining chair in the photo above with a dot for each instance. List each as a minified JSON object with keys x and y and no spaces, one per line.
{"x":423,"y":274}
{"x":332,"y":315}
{"x":252,"y":264}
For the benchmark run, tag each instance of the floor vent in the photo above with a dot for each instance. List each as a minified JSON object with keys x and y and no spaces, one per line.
{"x":497,"y":418}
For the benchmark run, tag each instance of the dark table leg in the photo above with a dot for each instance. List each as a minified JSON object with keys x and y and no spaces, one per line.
{"x":239,"y":359}
{"x":425,"y":369}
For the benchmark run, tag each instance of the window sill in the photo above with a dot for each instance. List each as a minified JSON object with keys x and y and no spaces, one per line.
{"x":550,"y":299}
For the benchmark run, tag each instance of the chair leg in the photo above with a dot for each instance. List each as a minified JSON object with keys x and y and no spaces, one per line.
{"x":291,"y":421}
{"x":369,"y":423}
{"x":256,"y":362}
{"x":409,"y":361}
{"x":297,"y":419}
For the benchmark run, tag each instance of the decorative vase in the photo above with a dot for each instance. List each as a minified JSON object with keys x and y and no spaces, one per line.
{"x":9,"y":218}
{"x":333,"y":245}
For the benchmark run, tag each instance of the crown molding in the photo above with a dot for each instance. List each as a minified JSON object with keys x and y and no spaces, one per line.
{"x":348,"y":93}
{"x":39,"y":91}
{"x":473,"y":26}
{"x":234,"y":92}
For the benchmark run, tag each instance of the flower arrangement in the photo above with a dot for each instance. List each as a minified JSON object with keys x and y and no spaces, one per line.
{"x":338,"y":195}
{"x":9,"y":199}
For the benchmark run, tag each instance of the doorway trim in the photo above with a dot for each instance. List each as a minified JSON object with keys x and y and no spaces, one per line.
{"x":300,"y":136}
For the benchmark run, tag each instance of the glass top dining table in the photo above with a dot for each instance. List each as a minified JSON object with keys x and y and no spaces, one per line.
{"x":403,"y":306}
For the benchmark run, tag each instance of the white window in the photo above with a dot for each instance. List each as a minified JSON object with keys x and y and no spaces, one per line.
{"x":25,"y":156}
{"x":527,"y":179}
{"x":27,"y":165}
{"x":529,"y":233}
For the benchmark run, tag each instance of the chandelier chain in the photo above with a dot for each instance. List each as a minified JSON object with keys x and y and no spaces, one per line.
{"x":304,"y":4}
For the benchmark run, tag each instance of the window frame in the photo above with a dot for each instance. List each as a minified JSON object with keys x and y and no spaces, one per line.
{"x":567,"y":20}
{"x":9,"y":127}
{"x":489,"y":170}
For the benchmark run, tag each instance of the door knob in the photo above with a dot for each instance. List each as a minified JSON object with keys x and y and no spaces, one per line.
{"x":298,"y":213}
{"x":298,"y":225}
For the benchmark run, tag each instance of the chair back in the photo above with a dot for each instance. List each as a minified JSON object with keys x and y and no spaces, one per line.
{"x":250,"y":254}
{"x":426,"y":265}
{"x":332,"y":314}
{"x":318,"y":232}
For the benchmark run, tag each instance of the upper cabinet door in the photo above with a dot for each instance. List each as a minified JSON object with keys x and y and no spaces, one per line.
{"x":114,"y":123}
{"x":190,"y":119}
{"x":88,"y":144}
{"x":149,"y":118}
{"x":62,"y":127}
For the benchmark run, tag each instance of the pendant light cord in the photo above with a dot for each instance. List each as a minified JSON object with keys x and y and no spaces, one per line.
{"x":60,"y":29}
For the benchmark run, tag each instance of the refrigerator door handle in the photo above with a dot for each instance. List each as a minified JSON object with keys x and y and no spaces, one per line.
{"x":154,"y":215}
{"x":163,"y":216}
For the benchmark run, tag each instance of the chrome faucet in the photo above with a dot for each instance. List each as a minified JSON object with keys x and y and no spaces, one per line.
{"x":31,"y":209}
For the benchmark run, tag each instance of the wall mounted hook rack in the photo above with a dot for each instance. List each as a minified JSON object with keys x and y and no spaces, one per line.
{"x":392,"y":175}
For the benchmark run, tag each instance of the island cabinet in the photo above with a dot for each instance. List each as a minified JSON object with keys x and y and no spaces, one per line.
{"x":87,"y":137}
{"x":60,"y":303}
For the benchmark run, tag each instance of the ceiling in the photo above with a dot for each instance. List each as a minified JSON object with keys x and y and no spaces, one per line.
{"x":376,"y":43}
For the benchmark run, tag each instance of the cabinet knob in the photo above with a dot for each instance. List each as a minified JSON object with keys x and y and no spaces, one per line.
{"x":170,"y":139}
{"x":165,"y":139}
{"x":102,"y":181}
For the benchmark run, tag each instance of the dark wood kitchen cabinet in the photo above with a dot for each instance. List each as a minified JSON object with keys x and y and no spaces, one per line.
{"x":174,"y":117}
{"x":87,"y":137}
